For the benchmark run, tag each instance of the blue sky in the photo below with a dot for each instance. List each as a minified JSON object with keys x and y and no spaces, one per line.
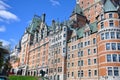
{"x":15,"y":15}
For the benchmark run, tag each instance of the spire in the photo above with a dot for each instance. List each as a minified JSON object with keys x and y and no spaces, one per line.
{"x":108,"y":6}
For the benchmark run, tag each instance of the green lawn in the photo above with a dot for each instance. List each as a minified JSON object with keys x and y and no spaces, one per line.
{"x":22,"y":78}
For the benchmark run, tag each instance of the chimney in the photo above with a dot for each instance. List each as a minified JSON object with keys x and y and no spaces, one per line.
{"x":43,"y":17}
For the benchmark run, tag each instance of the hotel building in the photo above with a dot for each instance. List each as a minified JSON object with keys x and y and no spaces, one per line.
{"x":85,"y":47}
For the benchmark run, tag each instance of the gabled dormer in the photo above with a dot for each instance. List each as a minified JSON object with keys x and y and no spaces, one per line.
{"x":77,"y":18}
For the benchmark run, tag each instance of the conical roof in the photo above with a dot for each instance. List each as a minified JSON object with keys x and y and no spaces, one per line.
{"x":109,"y":6}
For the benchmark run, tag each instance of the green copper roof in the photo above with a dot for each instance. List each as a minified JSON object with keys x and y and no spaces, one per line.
{"x":109,"y":6}
{"x":35,"y":23}
{"x":77,"y":10}
{"x":80,"y":32}
{"x":93,"y":27}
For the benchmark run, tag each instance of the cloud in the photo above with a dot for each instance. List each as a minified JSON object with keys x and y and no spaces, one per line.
{"x":6,"y":15}
{"x":2,"y":29}
{"x":55,"y":2}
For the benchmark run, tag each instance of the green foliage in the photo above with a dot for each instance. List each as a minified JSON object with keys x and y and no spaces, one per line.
{"x":22,"y":78}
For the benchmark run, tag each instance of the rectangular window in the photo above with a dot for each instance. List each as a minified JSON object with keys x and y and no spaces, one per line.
{"x":89,"y":61}
{"x":110,"y":71}
{"x":111,"y":24}
{"x":78,"y":63}
{"x":94,"y":41}
{"x":82,"y":62}
{"x":107,"y":35}
{"x":118,"y":46}
{"x":110,"y":15}
{"x":102,"y":25}
{"x":81,"y":44}
{"x":114,"y":57}
{"x":72,"y":74}
{"x":118,"y":35}
{"x":95,"y":61}
{"x":112,"y":35}
{"x":78,"y":73}
{"x":85,"y":43}
{"x":68,"y":74}
{"x":107,"y":46}
{"x":109,"y":58}
{"x":119,"y":57}
{"x":102,"y":16}
{"x":72,"y":64}
{"x":113,"y":46}
{"x":95,"y":72}
{"x":89,"y":73}
{"x":82,"y":74}
{"x":102,"y":36}
{"x":79,"y":54}
{"x":116,"y":71}
{"x":78,"y":45}
{"x":94,"y":50}
{"x":88,"y":42}
{"x":88,"y":51}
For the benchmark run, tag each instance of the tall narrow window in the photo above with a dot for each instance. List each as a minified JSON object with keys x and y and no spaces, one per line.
{"x":112,"y":35}
{"x":89,"y":61}
{"x":116,"y":71}
{"x":107,"y":46}
{"x":102,"y":25}
{"x":107,"y":35}
{"x":110,"y":71}
{"x":118,"y":35}
{"x":118,"y":46}
{"x":94,"y":40}
{"x":82,"y":73}
{"x":102,"y":36}
{"x":95,"y":72}
{"x":111,"y":24}
{"x":89,"y":73}
{"x":114,"y":57}
{"x":110,"y":15}
{"x":109,"y":58}
{"x":113,"y":46}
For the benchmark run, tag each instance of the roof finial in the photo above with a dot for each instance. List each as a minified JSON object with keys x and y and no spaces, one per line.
{"x":77,"y":1}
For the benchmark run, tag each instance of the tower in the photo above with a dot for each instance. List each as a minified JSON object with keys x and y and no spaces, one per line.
{"x":108,"y":42}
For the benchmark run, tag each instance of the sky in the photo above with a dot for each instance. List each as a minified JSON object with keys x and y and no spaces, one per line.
{"x":16,"y":15}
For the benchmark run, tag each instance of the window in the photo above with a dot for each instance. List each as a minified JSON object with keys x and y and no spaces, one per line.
{"x":88,"y":42}
{"x":78,"y":73}
{"x":113,"y":46}
{"x":89,"y":61}
{"x":81,"y":44}
{"x":109,"y":58}
{"x":72,"y":55}
{"x":112,"y":35}
{"x":85,"y":43}
{"x":79,"y":54}
{"x":94,"y":41}
{"x":110,"y":15}
{"x":95,"y":72}
{"x":107,"y":35}
{"x":118,"y":46}
{"x":88,"y":51}
{"x":116,"y":71}
{"x":78,"y":63}
{"x":95,"y":61}
{"x":82,"y":74}
{"x":64,"y":35}
{"x":102,"y":25}
{"x":107,"y":46}
{"x":94,"y":50}
{"x":68,"y":65}
{"x":114,"y":57}
{"x":119,"y":57}
{"x":110,"y":71}
{"x":118,"y":35}
{"x":102,"y":16}
{"x":68,"y":74}
{"x":111,"y":24}
{"x":64,"y":29}
{"x":72,"y":64}
{"x":82,"y":62}
{"x":102,"y":36}
{"x":72,"y":74}
{"x":89,"y":73}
